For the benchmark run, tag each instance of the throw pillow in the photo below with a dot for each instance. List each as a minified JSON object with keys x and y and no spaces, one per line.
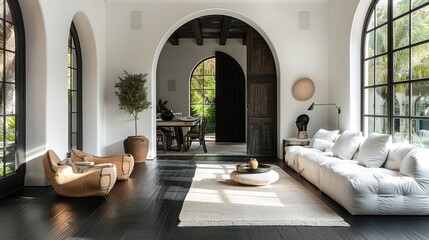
{"x":415,"y":164}
{"x":322,"y":145}
{"x":324,"y":135}
{"x":374,"y":150}
{"x":397,"y":153}
{"x":346,"y":145}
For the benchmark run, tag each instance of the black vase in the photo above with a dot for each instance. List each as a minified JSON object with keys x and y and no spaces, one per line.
{"x":167,"y":115}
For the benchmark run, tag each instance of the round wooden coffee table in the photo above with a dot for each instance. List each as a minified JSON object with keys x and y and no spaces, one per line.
{"x":254,"y":179}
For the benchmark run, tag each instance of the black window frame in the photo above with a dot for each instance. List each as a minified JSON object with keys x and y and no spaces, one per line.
{"x":391,"y":83}
{"x":74,"y":44}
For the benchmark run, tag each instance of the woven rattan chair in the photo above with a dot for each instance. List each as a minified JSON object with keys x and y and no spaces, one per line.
{"x":124,"y":162}
{"x":199,"y":133}
{"x":90,"y":181}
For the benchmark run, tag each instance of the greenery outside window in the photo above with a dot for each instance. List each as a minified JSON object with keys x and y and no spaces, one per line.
{"x":74,"y":90}
{"x":203,"y":92}
{"x":395,"y":70}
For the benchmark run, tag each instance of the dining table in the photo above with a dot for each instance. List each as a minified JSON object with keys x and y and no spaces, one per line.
{"x":178,"y":124}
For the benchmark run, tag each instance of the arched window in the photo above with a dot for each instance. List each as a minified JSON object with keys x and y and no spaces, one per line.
{"x":74,"y":90}
{"x":12,"y":95}
{"x":203,"y":92}
{"x":395,"y":67}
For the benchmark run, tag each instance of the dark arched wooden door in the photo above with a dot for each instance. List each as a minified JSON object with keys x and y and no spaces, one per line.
{"x":230,"y":100}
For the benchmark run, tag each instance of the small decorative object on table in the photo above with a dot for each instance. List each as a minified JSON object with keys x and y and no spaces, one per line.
{"x":301,"y":124}
{"x":253,"y":167}
{"x":253,"y":163}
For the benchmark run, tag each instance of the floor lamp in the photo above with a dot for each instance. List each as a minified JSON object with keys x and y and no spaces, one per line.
{"x":330,"y":104}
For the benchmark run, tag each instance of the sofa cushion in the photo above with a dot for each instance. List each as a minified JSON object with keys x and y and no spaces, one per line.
{"x":416,"y":165}
{"x":324,"y":135}
{"x":346,"y":145}
{"x":374,"y":150}
{"x":322,"y":145}
{"x":397,"y":153}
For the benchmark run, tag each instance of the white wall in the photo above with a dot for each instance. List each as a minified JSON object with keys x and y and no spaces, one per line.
{"x":342,"y":90}
{"x":322,"y":53}
{"x":178,"y":62}
{"x":47,"y":24}
{"x":298,"y":53}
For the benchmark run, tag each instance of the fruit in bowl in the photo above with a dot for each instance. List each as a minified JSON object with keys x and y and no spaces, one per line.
{"x":253,"y":163}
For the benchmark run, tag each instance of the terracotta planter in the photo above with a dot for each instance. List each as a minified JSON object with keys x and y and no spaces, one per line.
{"x":137,"y":146}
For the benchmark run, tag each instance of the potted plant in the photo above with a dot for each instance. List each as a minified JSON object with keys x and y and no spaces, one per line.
{"x":132,"y":96}
{"x":165,"y":113}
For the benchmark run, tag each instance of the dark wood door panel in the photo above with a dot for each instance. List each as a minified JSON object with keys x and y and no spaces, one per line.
{"x":261,"y":97}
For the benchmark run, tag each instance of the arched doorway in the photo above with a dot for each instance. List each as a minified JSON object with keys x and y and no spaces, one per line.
{"x":261,"y":93}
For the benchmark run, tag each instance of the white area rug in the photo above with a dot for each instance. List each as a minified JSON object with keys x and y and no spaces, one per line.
{"x":215,"y":200}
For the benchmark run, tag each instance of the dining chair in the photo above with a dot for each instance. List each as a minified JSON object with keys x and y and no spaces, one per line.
{"x":167,"y":135}
{"x":199,"y":133}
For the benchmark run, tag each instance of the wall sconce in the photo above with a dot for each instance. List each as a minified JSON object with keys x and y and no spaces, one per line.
{"x":330,"y":104}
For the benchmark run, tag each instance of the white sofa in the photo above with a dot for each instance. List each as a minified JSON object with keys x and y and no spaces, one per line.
{"x":367,"y":176}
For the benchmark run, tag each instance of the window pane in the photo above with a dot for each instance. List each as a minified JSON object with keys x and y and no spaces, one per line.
{"x":10,"y":98}
{"x":209,"y":96}
{"x":2,"y":37}
{"x":421,"y":132}
{"x":402,"y":94}
{"x":10,"y":129}
{"x":381,"y":70}
{"x":416,"y":3}
{"x":401,"y":65}
{"x":10,"y":37}
{"x":209,"y":66}
{"x":420,"y":61}
{"x":369,"y":44}
{"x":371,"y":22}
{"x":401,"y":29}
{"x":400,"y":7}
{"x":381,"y":12}
{"x":1,"y":9}
{"x":420,"y":25}
{"x":369,"y":73}
{"x":10,"y":67}
{"x":209,"y":82}
{"x":381,"y":104}
{"x":2,"y":86}
{"x":369,"y":101}
{"x":199,"y":70}
{"x":197,"y":97}
{"x":197,"y":82}
{"x":74,"y":122}
{"x":74,"y":78}
{"x":420,"y":92}
{"x":400,"y":131}
{"x":8,"y":14}
{"x":74,"y":101}
{"x":381,"y":40}
{"x":74,"y":58}
{"x":1,"y":66}
{"x":381,"y":125}
{"x":368,"y":125}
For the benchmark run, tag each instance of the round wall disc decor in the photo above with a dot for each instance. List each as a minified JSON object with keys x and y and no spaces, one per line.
{"x":303,"y":89}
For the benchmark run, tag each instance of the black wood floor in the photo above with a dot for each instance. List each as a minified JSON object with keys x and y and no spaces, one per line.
{"x":147,"y":206}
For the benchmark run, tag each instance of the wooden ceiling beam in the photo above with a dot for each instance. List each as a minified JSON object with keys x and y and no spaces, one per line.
{"x":197,"y":31}
{"x":226,"y":24}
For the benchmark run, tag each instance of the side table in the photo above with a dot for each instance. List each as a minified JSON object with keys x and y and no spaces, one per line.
{"x":294,"y":142}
